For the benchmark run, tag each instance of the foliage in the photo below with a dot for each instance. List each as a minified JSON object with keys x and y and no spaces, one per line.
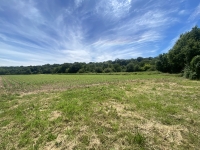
{"x":162,"y":64}
{"x":194,"y":69}
{"x":187,"y":47}
{"x":180,"y":57}
{"x":118,"y":65}
{"x":130,"y":67}
{"x":188,"y":73}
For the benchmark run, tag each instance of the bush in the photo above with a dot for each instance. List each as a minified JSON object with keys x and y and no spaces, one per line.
{"x":190,"y":74}
{"x":195,"y":62}
{"x":195,"y":66}
{"x":193,"y":75}
{"x":193,"y":71}
{"x":187,"y":72}
{"x":108,"y":70}
{"x":198,"y":70}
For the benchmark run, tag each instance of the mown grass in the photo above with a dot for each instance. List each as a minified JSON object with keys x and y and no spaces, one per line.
{"x":134,"y":111}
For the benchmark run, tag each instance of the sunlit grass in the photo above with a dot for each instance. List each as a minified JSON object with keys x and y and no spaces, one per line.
{"x":133,"y":111}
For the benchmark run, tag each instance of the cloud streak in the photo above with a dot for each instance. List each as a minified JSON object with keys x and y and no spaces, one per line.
{"x":37,"y":32}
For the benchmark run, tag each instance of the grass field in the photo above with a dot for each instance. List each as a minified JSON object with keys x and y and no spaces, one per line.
{"x":119,"y":111}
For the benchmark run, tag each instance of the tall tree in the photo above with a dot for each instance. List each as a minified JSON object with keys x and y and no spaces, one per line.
{"x":187,"y":47}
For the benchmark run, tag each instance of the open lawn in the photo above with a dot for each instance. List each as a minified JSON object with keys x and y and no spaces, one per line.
{"x":119,"y":111}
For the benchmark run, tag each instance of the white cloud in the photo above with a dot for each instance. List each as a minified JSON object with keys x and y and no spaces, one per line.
{"x":114,"y":9}
{"x":126,"y":28}
{"x":183,"y":12}
{"x":76,"y":55}
{"x":195,"y":15}
{"x":78,"y":2}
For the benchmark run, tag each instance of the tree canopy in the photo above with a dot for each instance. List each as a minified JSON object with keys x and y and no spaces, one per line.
{"x":118,"y":65}
{"x":179,"y":58}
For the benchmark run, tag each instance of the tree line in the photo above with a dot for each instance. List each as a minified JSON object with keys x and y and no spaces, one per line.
{"x":184,"y":57}
{"x":118,"y":65}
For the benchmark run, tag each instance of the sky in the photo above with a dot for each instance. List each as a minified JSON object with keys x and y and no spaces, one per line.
{"x":38,"y":32}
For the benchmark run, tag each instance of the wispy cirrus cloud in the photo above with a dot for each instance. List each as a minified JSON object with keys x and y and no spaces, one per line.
{"x":37,"y":32}
{"x":114,"y":9}
{"x":195,"y":14}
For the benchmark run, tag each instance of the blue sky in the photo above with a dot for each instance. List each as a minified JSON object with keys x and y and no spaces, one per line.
{"x":37,"y":32}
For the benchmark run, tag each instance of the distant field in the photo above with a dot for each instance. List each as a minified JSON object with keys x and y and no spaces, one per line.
{"x":38,"y":83}
{"x":116,"y":111}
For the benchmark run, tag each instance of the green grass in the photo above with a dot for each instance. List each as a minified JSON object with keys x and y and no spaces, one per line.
{"x":118,"y":111}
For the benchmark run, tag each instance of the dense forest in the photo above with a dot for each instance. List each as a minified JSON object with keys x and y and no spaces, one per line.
{"x":118,"y":65}
{"x":184,"y":57}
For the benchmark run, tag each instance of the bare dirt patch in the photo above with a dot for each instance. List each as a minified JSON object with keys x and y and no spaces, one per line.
{"x":165,"y":133}
{"x":122,"y":109}
{"x":152,"y":129}
{"x":54,"y":115}
{"x":56,"y":88}
{"x":94,"y":142}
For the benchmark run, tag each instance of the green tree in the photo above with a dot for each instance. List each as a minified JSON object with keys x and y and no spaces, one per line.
{"x":107,"y":70}
{"x":162,"y":64}
{"x":99,"y":70}
{"x":117,"y":67}
{"x":187,"y":47}
{"x":130,"y":67}
{"x":195,"y":65}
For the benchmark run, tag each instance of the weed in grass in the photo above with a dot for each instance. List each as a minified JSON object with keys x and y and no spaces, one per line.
{"x":25,"y":139}
{"x":115,"y":127}
{"x":154,"y":88}
{"x":132,"y":138}
{"x":51,"y":137}
{"x":84,"y":139}
{"x":139,"y":139}
{"x":4,"y":123}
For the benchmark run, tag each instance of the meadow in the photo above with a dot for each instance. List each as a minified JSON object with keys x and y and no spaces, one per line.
{"x":99,"y":111}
